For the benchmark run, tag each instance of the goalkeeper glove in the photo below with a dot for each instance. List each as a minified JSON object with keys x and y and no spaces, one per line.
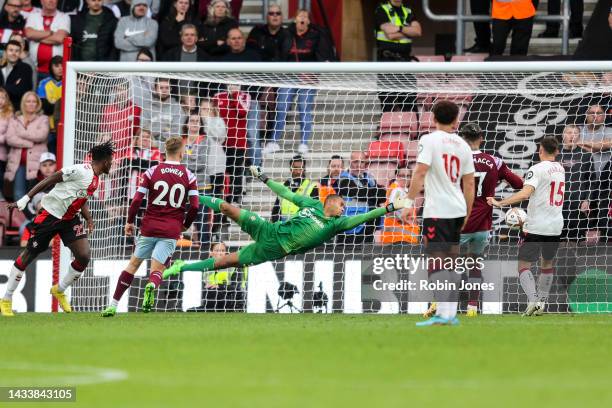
{"x":23,"y":202}
{"x":399,"y":203}
{"x":257,"y":172}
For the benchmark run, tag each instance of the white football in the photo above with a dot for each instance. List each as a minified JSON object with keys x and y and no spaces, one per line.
{"x":515,"y":218}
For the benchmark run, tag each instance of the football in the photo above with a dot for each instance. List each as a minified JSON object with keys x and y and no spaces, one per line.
{"x":515,"y":218}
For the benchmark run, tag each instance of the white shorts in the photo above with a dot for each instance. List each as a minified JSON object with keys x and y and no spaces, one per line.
{"x":160,"y":249}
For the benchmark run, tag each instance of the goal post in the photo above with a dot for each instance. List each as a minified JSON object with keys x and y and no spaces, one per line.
{"x":380,"y":108}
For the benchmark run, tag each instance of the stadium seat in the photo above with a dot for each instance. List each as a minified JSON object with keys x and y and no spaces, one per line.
{"x":384,"y":158}
{"x":426,"y":122}
{"x":393,"y":123}
{"x":431,"y":58}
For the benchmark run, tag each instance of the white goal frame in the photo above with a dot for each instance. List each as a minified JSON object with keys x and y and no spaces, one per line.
{"x":74,"y":68}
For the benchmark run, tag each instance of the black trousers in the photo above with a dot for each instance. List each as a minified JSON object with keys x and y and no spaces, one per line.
{"x":482,"y":28}
{"x":521,"y":35}
{"x":576,"y":14}
{"x":236,"y":164}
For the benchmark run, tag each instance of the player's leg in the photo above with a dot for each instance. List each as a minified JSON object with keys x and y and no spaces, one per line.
{"x":476,"y":249}
{"x":123,"y":283}
{"x":82,"y":254}
{"x":43,"y":231}
{"x":529,"y":252}
{"x":209,"y":264}
{"x":17,"y":271}
{"x":164,"y":248}
{"x":546,"y":276}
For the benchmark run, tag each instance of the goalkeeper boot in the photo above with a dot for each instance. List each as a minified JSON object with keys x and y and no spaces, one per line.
{"x":149,"y":297}
{"x":532,"y":307}
{"x":61,"y":299}
{"x":174,"y":270}
{"x":472,"y":311}
{"x":431,"y":311}
{"x":109,"y":311}
{"x":6,"y":308}
{"x":438,"y":321}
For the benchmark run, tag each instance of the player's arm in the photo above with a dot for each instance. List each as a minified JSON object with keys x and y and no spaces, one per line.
{"x":194,"y":204}
{"x":509,"y":176}
{"x":87,"y":216}
{"x":280,"y":190}
{"x":50,"y":181}
{"x":347,"y":223}
{"x":468,"y":186}
{"x":141,"y":192}
{"x":515,"y":198}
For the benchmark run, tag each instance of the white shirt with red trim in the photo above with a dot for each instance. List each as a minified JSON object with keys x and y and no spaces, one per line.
{"x":65,"y":200}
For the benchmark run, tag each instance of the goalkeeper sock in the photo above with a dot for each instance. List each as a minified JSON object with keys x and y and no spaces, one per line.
{"x":201,"y":266}
{"x":75,"y":270}
{"x":528,"y":284}
{"x":13,"y":281}
{"x":211,"y":202}
{"x":545,"y":281}
{"x":123,"y":283}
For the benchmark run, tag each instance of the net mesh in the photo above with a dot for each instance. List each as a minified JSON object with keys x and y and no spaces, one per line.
{"x":242,"y":115}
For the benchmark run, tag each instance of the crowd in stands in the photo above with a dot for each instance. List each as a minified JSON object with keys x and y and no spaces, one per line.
{"x":226,"y":127}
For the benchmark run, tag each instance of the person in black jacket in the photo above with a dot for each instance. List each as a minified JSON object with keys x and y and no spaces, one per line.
{"x":267,"y":38}
{"x":170,"y":25}
{"x":188,"y":50}
{"x":93,"y":32}
{"x":15,"y":75}
{"x":304,"y":42}
{"x":215,"y":28}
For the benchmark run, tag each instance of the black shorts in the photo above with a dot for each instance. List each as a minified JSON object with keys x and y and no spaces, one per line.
{"x":439,"y":234}
{"x":45,"y":227}
{"x":532,"y":246}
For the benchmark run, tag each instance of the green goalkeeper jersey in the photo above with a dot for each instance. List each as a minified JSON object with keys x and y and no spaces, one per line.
{"x":310,"y":228}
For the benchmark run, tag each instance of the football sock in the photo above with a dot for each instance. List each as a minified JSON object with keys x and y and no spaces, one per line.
{"x":545,"y":281}
{"x":475,"y":277}
{"x":211,"y":202}
{"x":75,"y":270}
{"x":156,"y":278}
{"x":201,"y":266}
{"x":123,"y":283}
{"x":528,"y":284}
{"x":13,"y":281}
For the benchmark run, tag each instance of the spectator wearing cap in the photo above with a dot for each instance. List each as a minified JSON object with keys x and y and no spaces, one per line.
{"x":215,"y":28}
{"x":46,"y":31}
{"x":299,"y":184}
{"x":93,"y":33}
{"x":6,"y":113}
{"x":26,"y":137}
{"x":15,"y":75}
{"x":188,"y":50}
{"x":135,"y":31}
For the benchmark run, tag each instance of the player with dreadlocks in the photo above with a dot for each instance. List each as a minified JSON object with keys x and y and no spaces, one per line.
{"x":72,"y":187}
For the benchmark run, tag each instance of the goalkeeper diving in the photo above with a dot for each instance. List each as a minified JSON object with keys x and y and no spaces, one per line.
{"x":314,"y":224}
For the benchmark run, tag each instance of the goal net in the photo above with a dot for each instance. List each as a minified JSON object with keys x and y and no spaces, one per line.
{"x":369,"y":117}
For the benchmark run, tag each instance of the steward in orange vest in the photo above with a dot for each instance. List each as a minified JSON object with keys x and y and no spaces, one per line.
{"x":515,"y":16}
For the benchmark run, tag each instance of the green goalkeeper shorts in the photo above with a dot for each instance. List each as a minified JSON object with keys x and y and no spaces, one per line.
{"x":266,"y":246}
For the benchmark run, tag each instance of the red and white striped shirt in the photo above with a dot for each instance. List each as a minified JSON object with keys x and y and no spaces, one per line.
{"x":65,"y":200}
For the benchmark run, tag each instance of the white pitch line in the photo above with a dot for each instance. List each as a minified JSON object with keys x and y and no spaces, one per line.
{"x":75,"y":375}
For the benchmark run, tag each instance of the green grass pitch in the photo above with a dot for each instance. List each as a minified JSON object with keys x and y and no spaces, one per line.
{"x":239,"y":360}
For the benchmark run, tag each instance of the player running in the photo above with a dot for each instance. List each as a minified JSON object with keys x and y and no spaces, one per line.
{"x":72,"y":187}
{"x":544,"y":187}
{"x":444,"y":165}
{"x":489,"y":172}
{"x":314,"y":224}
{"x":169,"y":185}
